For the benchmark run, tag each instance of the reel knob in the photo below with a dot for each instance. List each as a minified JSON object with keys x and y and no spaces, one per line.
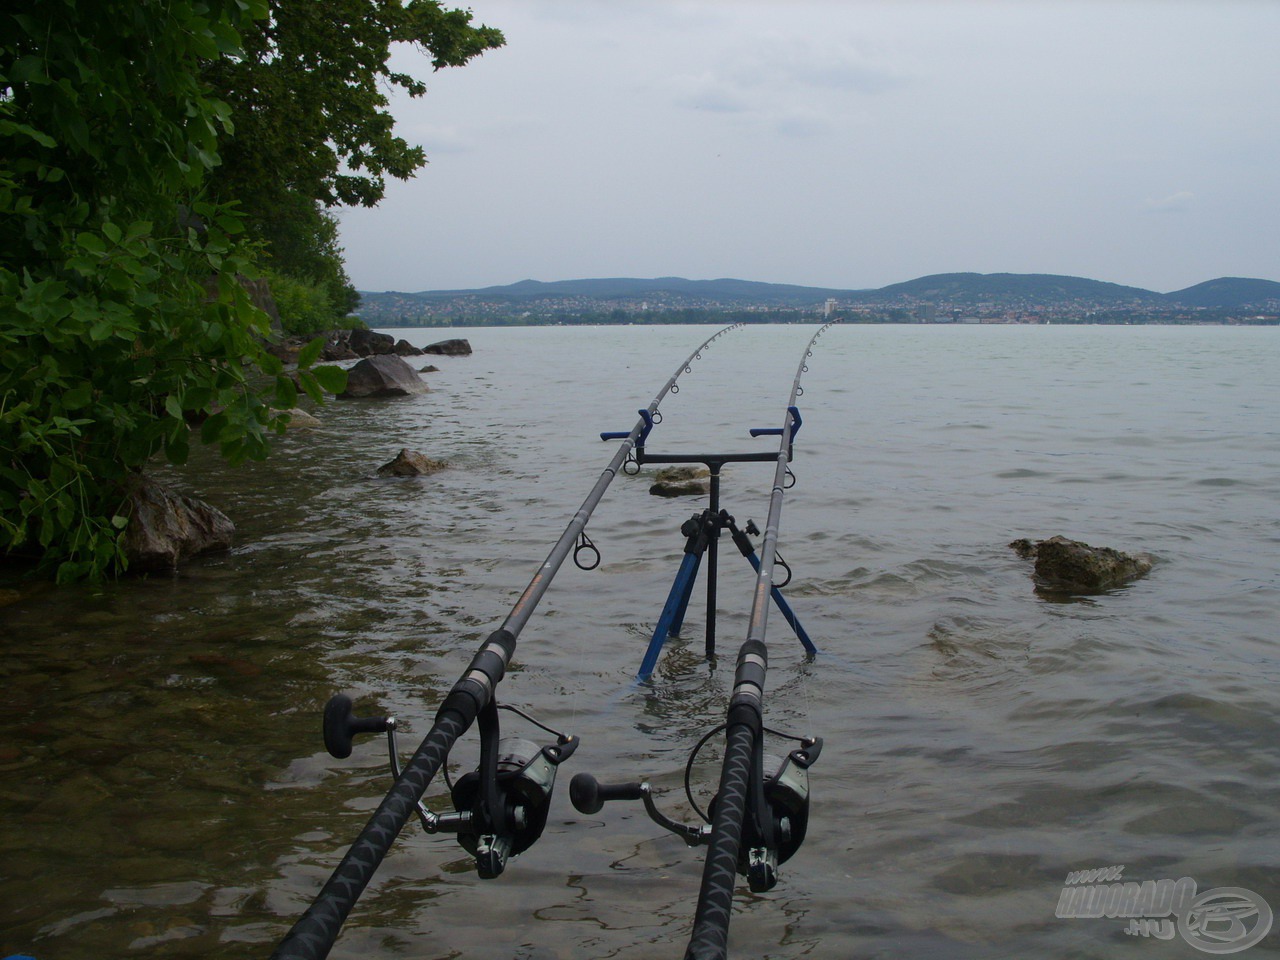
{"x":340,"y":726}
{"x":588,"y":795}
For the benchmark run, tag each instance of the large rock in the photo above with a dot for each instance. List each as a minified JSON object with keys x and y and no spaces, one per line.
{"x":165,"y":527}
{"x":1069,"y":566}
{"x":410,"y":463}
{"x":387,"y":376}
{"x":449,"y":348}
{"x":337,"y":348}
{"x":404,"y":348}
{"x":367,"y":343}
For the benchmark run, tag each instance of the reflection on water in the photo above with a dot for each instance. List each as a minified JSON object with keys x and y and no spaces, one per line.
{"x":165,"y":791}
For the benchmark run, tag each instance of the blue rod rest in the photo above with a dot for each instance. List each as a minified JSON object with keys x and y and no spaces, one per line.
{"x":777,"y":431}
{"x":647,"y":417}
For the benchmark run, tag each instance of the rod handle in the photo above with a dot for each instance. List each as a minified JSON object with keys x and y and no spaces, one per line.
{"x":588,"y":794}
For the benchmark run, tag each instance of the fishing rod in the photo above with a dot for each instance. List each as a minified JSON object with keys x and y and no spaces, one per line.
{"x":757,"y":819}
{"x":501,"y":807}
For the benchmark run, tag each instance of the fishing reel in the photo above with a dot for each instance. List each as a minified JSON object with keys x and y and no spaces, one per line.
{"x":500,"y":808}
{"x":777,"y":808}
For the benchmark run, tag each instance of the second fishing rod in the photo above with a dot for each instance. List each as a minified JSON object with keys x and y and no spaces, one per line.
{"x":759,"y":816}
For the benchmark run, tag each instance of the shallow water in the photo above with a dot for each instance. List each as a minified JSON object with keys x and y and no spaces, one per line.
{"x":165,"y":792}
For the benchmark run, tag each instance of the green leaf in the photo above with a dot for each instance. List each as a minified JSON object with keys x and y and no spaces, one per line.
{"x":91,"y":242}
{"x":332,"y":379}
{"x":286,"y":393}
{"x":311,"y":352}
{"x":212,"y":429}
{"x":78,"y":396}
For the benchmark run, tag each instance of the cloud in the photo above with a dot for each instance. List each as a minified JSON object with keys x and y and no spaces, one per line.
{"x":792,"y":86}
{"x":1174,"y":203}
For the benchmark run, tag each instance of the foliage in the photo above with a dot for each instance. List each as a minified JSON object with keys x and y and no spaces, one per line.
{"x":310,"y":99}
{"x":301,"y":240}
{"x":122,"y":317}
{"x":303,"y":307}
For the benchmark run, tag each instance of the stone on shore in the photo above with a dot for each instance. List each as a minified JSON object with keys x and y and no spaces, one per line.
{"x":410,"y":463}
{"x":449,"y":348}
{"x":1069,"y":566}
{"x":166,"y":527}
{"x":382,"y":376}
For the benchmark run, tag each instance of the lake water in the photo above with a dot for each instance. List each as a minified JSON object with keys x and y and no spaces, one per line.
{"x":165,"y":792}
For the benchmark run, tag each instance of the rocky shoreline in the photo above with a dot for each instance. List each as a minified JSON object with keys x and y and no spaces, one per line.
{"x":166,"y":528}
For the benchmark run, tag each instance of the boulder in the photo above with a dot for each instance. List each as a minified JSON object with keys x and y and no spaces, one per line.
{"x":367,"y":343}
{"x":404,"y":348}
{"x":430,"y":368}
{"x":337,"y":348}
{"x":681,"y":482}
{"x":165,"y":527}
{"x":1069,"y":566}
{"x":410,"y":463}
{"x":449,"y":348}
{"x":387,"y":376}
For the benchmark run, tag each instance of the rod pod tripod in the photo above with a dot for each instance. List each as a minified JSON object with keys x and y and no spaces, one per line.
{"x":702,"y":532}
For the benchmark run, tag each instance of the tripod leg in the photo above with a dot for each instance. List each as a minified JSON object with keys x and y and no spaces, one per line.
{"x":680,"y":591}
{"x":785,"y":609}
{"x":677,"y":617}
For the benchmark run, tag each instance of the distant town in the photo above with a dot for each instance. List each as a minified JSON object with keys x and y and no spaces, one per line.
{"x":942,"y":298}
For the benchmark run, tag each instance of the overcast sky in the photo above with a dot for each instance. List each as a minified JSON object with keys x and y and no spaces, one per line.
{"x":841,"y":143}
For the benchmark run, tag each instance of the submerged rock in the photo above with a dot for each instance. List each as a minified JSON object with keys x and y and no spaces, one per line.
{"x":165,"y":527}
{"x":382,"y":376}
{"x":410,"y":463}
{"x":300,"y":419}
{"x":1070,"y":566}
{"x":681,"y":482}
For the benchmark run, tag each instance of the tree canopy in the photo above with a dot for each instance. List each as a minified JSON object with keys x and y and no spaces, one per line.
{"x":124,"y":319}
{"x":309,"y":96}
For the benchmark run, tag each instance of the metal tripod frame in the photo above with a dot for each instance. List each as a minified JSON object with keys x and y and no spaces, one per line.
{"x":702,"y":532}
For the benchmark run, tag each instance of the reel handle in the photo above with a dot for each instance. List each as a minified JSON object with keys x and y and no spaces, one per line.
{"x":588,"y":794}
{"x":340,"y":726}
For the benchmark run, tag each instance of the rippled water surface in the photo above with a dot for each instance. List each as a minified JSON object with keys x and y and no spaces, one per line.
{"x":165,"y":792}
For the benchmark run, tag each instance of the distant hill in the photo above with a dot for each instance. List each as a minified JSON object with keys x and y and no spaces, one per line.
{"x":541,"y":301}
{"x":1228,"y":292}
{"x":970,"y":288}
{"x":631,"y":288}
